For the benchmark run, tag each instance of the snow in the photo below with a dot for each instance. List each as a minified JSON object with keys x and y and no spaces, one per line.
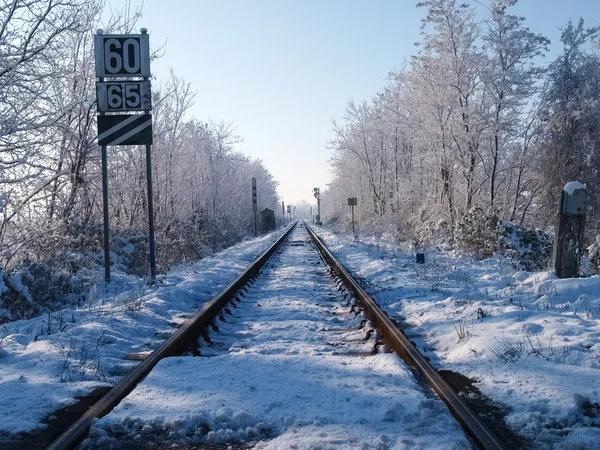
{"x":572,"y":186}
{"x":17,"y":283}
{"x":47,"y":361}
{"x":279,"y":374}
{"x":290,"y":368}
{"x":530,"y":340}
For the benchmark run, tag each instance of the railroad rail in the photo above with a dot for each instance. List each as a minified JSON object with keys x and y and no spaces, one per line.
{"x":393,"y":337}
{"x":176,"y":344}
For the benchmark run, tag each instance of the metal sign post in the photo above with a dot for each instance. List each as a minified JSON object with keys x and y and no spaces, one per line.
{"x":125,"y":60}
{"x":289,"y":211}
{"x":352,"y":203}
{"x":283,"y":211}
{"x":105,"y":214}
{"x":254,"y":205}
{"x":150,"y":214}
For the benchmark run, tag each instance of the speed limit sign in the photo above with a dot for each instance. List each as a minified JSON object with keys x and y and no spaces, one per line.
{"x":122,"y":55}
{"x":116,"y":96}
{"x":123,"y":69}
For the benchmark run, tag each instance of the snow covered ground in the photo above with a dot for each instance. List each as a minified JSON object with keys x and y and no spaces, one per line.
{"x":48,"y":361}
{"x":531,"y":341}
{"x":290,"y":368}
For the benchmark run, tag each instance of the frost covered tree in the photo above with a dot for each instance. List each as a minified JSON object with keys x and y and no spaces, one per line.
{"x":450,"y":50}
{"x":36,"y":54}
{"x":572,"y":116}
{"x":510,"y":83}
{"x":457,"y":131}
{"x":50,"y":172}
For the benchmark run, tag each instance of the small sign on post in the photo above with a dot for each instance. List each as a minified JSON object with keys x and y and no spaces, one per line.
{"x":352,"y":202}
{"x":568,"y":244}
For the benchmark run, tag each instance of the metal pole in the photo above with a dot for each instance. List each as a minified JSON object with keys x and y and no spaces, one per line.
{"x":319,"y":208}
{"x":150,"y":214}
{"x":254,"y":205}
{"x":105,"y":211}
{"x":353,"y":233}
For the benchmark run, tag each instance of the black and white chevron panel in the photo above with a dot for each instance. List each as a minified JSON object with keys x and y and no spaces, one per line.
{"x":125,"y":129}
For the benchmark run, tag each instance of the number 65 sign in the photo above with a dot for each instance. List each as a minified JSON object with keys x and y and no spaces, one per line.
{"x":118,"y":96}
{"x":122,"y":55}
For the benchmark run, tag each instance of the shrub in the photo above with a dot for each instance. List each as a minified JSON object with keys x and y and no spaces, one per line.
{"x":531,"y":248}
{"x":477,"y":232}
{"x":594,"y":253}
{"x":32,"y":289}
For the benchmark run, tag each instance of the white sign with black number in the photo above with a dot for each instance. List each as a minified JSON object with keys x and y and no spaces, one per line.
{"x":114,"y":96}
{"x":122,"y":55}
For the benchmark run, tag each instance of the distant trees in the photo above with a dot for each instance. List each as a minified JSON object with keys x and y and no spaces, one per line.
{"x":50,"y":183}
{"x":473,"y":125}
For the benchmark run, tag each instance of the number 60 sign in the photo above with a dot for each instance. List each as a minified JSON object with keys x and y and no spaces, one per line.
{"x":122,"y":55}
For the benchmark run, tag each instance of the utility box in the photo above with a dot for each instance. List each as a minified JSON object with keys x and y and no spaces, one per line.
{"x":568,"y":244}
{"x":267,"y":220}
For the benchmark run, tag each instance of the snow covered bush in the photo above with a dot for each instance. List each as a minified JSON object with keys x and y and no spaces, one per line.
{"x":593,"y":254}
{"x":531,"y":248}
{"x":58,"y":271}
{"x":430,"y":233}
{"x":477,"y":232}
{"x":32,"y":289}
{"x":484,"y":234}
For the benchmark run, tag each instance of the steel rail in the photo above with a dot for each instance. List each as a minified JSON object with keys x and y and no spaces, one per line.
{"x":176,"y":344}
{"x":395,"y":338}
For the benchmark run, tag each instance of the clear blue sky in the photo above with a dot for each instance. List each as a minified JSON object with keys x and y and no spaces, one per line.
{"x":281,"y":70}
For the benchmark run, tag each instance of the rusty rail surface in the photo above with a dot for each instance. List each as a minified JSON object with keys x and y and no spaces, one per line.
{"x":403,"y":347}
{"x":174,"y":345}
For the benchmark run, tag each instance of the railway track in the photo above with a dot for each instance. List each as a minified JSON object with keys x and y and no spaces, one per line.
{"x":287,"y":355}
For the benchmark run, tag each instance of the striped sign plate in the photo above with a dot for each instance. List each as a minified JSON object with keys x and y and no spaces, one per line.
{"x":125,"y":129}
